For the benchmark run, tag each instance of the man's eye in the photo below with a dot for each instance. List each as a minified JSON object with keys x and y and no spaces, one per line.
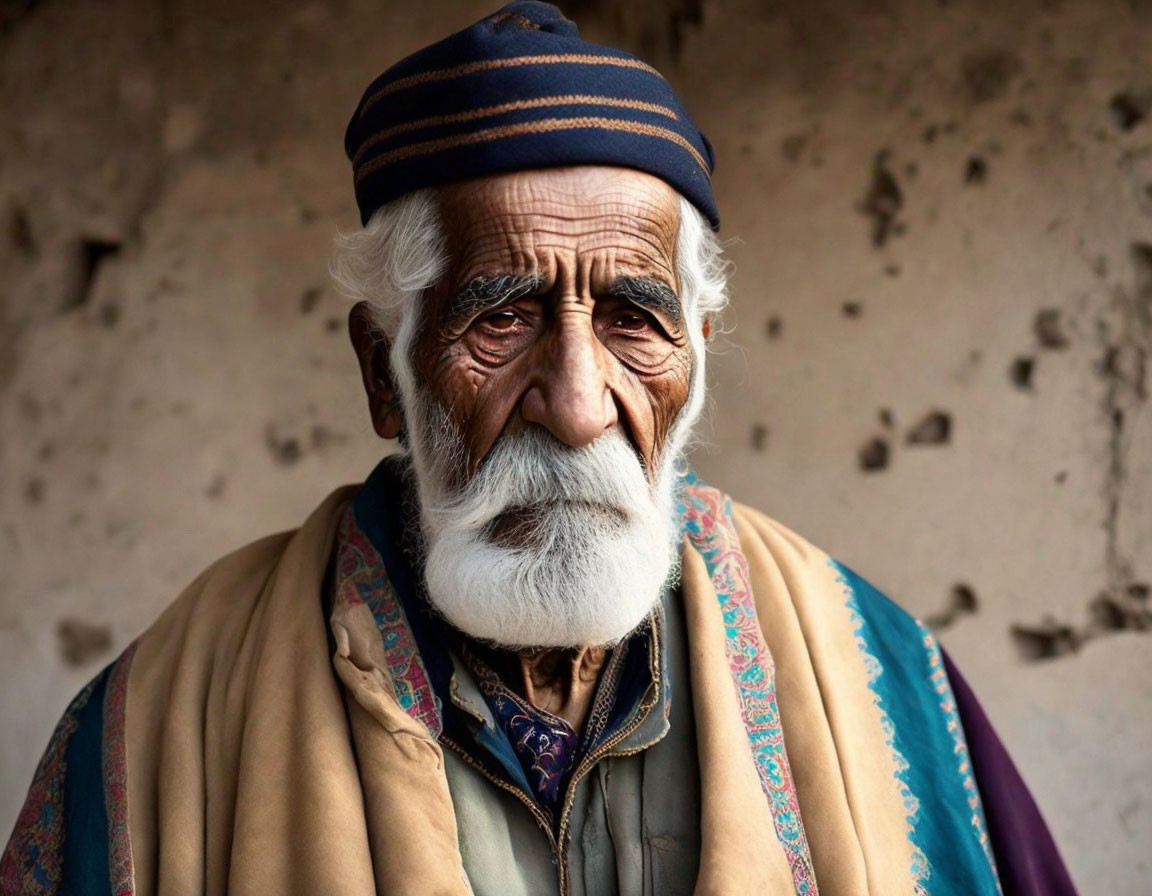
{"x":501,"y":320}
{"x":631,"y":322}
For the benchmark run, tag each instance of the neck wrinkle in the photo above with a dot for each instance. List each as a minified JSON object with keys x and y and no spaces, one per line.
{"x":561,"y":681}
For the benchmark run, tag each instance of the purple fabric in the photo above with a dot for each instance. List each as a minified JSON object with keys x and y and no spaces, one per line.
{"x":1026,"y":856}
{"x":544,"y":744}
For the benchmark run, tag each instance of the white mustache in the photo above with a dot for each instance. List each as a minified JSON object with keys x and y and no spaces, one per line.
{"x":535,"y":470}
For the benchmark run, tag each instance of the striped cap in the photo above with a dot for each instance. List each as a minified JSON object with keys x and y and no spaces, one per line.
{"x":519,"y":90}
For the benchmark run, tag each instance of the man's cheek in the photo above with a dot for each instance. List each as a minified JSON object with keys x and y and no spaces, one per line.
{"x":649,"y":359}
{"x":668,"y":395}
{"x":484,"y":406}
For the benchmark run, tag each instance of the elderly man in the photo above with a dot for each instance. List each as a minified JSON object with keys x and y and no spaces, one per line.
{"x":532,"y":653}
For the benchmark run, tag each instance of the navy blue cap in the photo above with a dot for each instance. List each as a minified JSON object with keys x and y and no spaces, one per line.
{"x":521,"y":90}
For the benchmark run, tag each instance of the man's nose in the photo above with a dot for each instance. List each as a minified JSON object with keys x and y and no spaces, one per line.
{"x":570,"y":394}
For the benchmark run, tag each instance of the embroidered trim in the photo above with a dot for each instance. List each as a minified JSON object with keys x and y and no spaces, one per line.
{"x":361,"y":578}
{"x":707,"y":520}
{"x":943,"y":688}
{"x":920,"y":869}
{"x":121,"y":874}
{"x":32,"y":864}
{"x":604,"y":700}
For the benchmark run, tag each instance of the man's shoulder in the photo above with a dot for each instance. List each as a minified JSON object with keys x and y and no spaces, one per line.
{"x":711,"y":514}
{"x":226,"y":594}
{"x":779,"y":537}
{"x":226,"y":581}
{"x":775,"y":552}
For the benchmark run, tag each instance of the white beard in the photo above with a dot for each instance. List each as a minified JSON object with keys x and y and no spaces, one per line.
{"x":546,"y":545}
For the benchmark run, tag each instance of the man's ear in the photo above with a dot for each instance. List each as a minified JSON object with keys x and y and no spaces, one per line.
{"x":372,"y":348}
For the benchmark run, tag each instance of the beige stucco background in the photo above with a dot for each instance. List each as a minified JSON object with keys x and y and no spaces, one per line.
{"x":941,"y":215}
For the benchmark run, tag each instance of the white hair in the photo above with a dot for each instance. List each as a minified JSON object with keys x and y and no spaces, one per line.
{"x":399,"y":254}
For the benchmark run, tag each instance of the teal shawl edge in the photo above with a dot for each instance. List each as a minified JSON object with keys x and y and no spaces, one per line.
{"x":922,"y":727}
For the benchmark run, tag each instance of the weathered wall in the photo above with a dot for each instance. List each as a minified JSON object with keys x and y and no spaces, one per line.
{"x":942,"y":217}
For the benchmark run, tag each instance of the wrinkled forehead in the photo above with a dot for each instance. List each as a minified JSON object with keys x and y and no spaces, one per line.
{"x":528,"y":222}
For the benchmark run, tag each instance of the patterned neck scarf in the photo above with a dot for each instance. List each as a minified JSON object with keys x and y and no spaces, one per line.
{"x":547,"y":746}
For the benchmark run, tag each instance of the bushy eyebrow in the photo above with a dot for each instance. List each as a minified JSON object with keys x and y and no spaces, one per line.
{"x":489,"y":293}
{"x":650,"y":294}
{"x":486,"y":293}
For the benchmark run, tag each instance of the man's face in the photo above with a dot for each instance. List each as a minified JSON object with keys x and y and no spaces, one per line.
{"x":544,"y":382}
{"x":559,"y":310}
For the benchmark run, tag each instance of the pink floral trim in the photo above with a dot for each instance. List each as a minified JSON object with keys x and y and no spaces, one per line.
{"x":706,"y":516}
{"x":361,"y":578}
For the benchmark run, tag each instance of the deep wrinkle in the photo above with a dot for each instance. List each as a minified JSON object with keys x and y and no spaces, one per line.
{"x":559,"y":309}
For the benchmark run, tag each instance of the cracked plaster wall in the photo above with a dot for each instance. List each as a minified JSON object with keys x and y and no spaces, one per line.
{"x":937,"y":366}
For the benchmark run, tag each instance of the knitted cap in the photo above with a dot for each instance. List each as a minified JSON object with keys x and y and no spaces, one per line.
{"x":520,"y":90}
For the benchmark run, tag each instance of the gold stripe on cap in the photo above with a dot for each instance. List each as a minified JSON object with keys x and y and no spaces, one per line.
{"x":485,"y":65}
{"x":545,"y":125}
{"x":571,"y":99}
